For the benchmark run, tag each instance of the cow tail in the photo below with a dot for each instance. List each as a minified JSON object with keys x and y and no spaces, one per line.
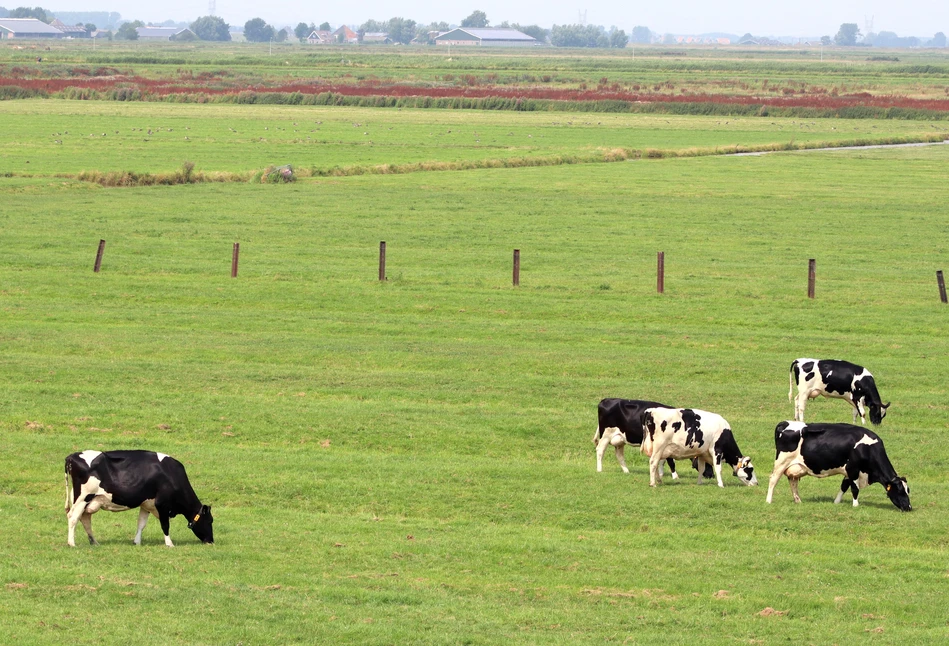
{"x":791,"y":382}
{"x":68,"y":501}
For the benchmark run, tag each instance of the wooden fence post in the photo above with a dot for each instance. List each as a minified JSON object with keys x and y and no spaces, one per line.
{"x":382,"y":260}
{"x":99,"y":253}
{"x":661,"y":272}
{"x":942,"y":286}
{"x":517,"y":267}
{"x":234,"y":257}
{"x":811,"y":276}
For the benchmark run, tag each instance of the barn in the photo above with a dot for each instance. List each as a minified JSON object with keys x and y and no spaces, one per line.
{"x":485,"y":38}
{"x":165,"y":33}
{"x":27,"y":28}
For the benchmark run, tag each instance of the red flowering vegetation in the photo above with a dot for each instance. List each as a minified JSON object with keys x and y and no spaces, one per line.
{"x":215,"y":83}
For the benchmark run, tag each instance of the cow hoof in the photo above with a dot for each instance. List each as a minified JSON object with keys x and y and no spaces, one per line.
{"x":675,"y":476}
{"x":625,"y":470}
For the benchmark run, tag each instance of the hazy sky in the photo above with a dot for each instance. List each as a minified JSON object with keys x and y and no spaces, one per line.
{"x":761,"y":18}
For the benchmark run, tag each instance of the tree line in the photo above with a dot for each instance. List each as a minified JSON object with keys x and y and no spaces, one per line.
{"x":405,"y":31}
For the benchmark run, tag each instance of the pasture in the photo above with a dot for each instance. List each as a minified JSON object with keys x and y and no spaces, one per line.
{"x":410,"y":461}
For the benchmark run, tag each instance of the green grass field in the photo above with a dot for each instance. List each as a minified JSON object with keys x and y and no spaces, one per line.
{"x":410,"y":461}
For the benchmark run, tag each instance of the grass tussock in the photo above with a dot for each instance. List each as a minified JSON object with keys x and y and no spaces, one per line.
{"x":286,"y":174}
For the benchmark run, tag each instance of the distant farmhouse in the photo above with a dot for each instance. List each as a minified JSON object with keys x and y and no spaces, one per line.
{"x":345,"y":35}
{"x":28,"y":28}
{"x":320,"y":37}
{"x":71,"y":31}
{"x":485,"y":38}
{"x":376,"y":37}
{"x":165,"y":33}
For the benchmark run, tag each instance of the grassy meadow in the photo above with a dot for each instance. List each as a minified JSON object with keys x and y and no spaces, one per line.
{"x":409,"y":461}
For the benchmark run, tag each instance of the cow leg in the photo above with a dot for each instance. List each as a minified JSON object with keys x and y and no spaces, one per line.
{"x":799,"y":403}
{"x":717,"y":466}
{"x":700,"y":467}
{"x":844,"y":485}
{"x":163,"y":520}
{"x":672,"y":468}
{"x":793,"y":482}
{"x":142,"y":520}
{"x":655,"y":473}
{"x":620,"y":457}
{"x":780,"y":467}
{"x":74,"y":515}
{"x":86,"y":520}
{"x":601,"y":449}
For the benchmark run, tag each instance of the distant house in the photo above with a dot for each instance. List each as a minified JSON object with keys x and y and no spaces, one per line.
{"x":376,"y":38}
{"x":165,"y":33}
{"x":345,"y":35}
{"x":485,"y":38}
{"x":27,"y":28}
{"x":320,"y":37}
{"x":71,"y":31}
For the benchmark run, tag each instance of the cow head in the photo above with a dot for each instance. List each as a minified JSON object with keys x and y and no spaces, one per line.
{"x":745,"y":471}
{"x":898,"y":492}
{"x":201,"y":525}
{"x":878,"y":412}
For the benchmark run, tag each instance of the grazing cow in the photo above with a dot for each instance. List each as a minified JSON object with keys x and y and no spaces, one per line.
{"x":621,"y":423}
{"x":839,"y":379}
{"x":823,"y":450}
{"x":119,"y":480}
{"x":693,"y":433}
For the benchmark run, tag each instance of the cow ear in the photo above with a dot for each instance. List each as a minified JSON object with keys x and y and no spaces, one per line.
{"x":888,"y":487}
{"x":886,"y":405}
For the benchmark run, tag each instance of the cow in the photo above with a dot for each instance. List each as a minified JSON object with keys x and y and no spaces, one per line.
{"x":823,"y":450}
{"x":693,"y":433}
{"x":839,"y":379}
{"x":620,"y":423}
{"x":119,"y":480}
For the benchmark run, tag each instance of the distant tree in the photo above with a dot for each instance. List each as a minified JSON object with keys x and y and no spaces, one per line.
{"x":256,"y":30}
{"x":185,"y":36}
{"x":301,"y":31}
{"x":618,"y":39}
{"x":372,"y":26}
{"x":211,"y":28}
{"x":282,"y":35}
{"x":32,"y":12}
{"x":324,"y":26}
{"x":127,"y":30}
{"x":400,"y":30}
{"x":668,"y":39}
{"x":578,"y":36}
{"x":89,"y":27}
{"x":423,"y":33}
{"x":477,"y":19}
{"x":939,"y":40}
{"x":4,"y":12}
{"x":847,"y":36}
{"x":641,"y":35}
{"x":826,"y":41}
{"x":536,"y":32}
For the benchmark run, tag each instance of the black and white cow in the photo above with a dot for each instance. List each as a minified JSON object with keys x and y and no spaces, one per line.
{"x":119,"y":480}
{"x":693,"y":433}
{"x":839,"y":379}
{"x":620,"y":422}
{"x":823,"y":450}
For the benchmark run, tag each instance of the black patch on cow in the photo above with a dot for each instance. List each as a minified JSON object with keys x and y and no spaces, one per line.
{"x":838,"y":375}
{"x":663,"y":425}
{"x":808,"y":377}
{"x":676,"y":426}
{"x":808,"y":367}
{"x":794,"y":371}
{"x":626,"y":415}
{"x":693,"y":428}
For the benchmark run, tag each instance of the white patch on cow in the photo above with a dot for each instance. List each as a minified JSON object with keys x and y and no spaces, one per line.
{"x":866,"y":439}
{"x":161,"y":456}
{"x":89,"y":456}
{"x":102,"y":499}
